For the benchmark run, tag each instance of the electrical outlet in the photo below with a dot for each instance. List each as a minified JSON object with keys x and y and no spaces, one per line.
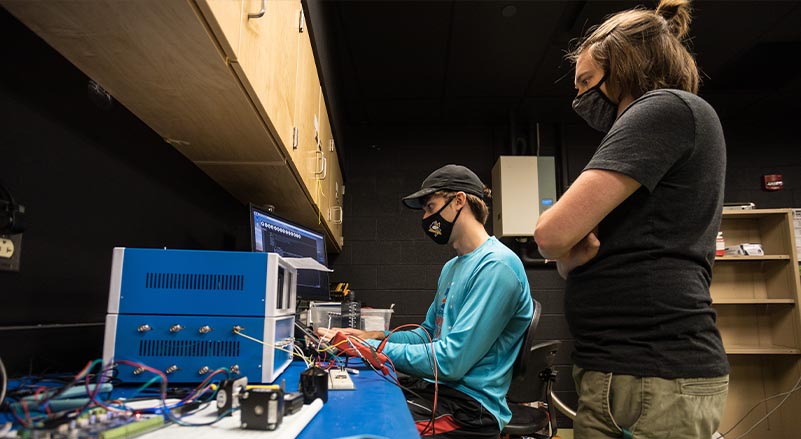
{"x":10,"y":252}
{"x":6,"y":248}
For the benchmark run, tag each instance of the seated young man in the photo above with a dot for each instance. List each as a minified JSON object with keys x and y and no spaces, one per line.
{"x":479,"y":316}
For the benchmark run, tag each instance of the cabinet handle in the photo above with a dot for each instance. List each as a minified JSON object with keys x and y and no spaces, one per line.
{"x":323,"y":166}
{"x":261,"y":12}
{"x":336,"y":219}
{"x":301,"y":21}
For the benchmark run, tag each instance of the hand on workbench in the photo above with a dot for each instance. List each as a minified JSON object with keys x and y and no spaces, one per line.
{"x":355,"y":346}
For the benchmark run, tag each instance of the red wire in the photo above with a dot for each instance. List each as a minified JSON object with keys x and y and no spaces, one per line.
{"x":152,"y":370}
{"x":20,"y":420}
{"x":93,"y":394}
{"x":435,"y":370}
{"x":83,"y":371}
{"x":27,"y":413}
{"x":202,"y":387}
{"x":36,"y":398}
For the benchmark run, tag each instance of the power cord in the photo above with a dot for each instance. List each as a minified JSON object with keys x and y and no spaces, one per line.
{"x":11,"y":213}
{"x":5,"y":381}
{"x":786,"y":395}
{"x":431,"y":425}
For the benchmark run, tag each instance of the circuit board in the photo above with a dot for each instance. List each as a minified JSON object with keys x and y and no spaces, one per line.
{"x":98,"y":424}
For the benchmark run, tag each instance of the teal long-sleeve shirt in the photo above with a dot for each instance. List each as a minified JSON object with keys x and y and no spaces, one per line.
{"x":479,"y":316}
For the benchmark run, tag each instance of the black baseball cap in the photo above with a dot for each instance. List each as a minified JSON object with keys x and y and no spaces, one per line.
{"x":454,"y":178}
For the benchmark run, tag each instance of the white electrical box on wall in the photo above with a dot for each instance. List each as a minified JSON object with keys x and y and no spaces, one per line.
{"x":522,"y":188}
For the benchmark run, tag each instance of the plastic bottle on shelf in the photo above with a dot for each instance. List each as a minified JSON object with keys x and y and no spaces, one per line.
{"x":720,"y":245}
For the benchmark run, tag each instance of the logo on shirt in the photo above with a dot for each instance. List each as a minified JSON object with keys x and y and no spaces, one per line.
{"x":438,"y":319}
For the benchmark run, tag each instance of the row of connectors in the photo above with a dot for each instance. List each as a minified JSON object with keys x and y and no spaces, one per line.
{"x":205,"y":329}
{"x":174,"y":368}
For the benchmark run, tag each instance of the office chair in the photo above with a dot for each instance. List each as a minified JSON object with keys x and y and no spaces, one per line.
{"x":532,"y":379}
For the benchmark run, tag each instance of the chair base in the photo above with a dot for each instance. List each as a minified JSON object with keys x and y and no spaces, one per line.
{"x":527,"y":421}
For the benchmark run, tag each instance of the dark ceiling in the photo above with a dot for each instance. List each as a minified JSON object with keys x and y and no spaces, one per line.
{"x":460,"y":61}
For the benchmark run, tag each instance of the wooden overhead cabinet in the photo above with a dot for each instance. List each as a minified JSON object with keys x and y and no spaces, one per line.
{"x":231,"y":84}
{"x":308,"y":156}
{"x":333,"y":188}
{"x":260,"y":39}
{"x":757,"y":301}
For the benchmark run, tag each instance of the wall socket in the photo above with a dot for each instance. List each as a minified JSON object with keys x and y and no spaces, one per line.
{"x":10,"y":252}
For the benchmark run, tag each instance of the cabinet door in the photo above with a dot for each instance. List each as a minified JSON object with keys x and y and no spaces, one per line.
{"x":308,"y":157}
{"x":337,"y":197}
{"x":332,"y":181}
{"x":262,"y":48}
{"x":225,"y":20}
{"x":268,"y":62}
{"x":324,"y":135}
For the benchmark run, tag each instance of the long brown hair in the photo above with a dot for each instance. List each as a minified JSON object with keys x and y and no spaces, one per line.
{"x":642,"y":50}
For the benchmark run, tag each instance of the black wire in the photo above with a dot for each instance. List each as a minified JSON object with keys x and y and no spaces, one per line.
{"x":9,"y":197}
{"x":63,"y":389}
{"x":49,"y":419}
{"x":401,"y":386}
{"x":182,"y":423}
{"x":398,"y":384}
{"x":379,"y":373}
{"x":432,"y":364}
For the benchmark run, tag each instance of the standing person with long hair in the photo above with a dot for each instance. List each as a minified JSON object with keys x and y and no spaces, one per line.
{"x":634,"y":235}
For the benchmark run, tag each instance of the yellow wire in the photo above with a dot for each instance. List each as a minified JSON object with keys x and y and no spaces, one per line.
{"x":332,"y":346}
{"x":270,"y":345}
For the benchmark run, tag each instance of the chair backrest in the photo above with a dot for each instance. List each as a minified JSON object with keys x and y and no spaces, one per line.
{"x":531,"y":385}
{"x":519,"y":368}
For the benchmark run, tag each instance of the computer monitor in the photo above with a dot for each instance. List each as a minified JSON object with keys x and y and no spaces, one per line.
{"x":270,"y":233}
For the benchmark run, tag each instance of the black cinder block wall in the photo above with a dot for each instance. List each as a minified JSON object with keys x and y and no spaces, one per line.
{"x":758,"y":147}
{"x":90,"y":179}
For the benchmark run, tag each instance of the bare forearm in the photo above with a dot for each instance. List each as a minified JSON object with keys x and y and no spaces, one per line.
{"x":327,"y":333}
{"x":377,"y":335}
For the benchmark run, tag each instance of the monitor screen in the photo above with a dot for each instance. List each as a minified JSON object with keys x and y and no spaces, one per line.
{"x":270,"y":233}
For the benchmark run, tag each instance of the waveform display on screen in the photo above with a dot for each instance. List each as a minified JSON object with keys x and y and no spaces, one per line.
{"x":276,"y":235}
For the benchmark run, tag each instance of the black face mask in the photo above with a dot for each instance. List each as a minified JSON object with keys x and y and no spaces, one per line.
{"x":438,"y":228}
{"x":595,"y":108}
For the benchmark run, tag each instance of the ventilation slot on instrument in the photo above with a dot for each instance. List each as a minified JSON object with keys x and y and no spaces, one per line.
{"x":191,"y":281}
{"x":188,"y":348}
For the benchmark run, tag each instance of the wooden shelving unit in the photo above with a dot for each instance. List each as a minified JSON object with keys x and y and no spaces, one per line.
{"x":754,"y":301}
{"x":757,"y":302}
{"x":754,"y":258}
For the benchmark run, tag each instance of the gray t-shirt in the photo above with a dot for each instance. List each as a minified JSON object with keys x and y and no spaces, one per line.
{"x":642,"y":306}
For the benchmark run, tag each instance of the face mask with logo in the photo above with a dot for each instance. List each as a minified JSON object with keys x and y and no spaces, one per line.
{"x":595,"y":108}
{"x":438,"y":228}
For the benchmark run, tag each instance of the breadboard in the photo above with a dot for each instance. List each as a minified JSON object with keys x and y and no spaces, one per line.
{"x":339,"y":379}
